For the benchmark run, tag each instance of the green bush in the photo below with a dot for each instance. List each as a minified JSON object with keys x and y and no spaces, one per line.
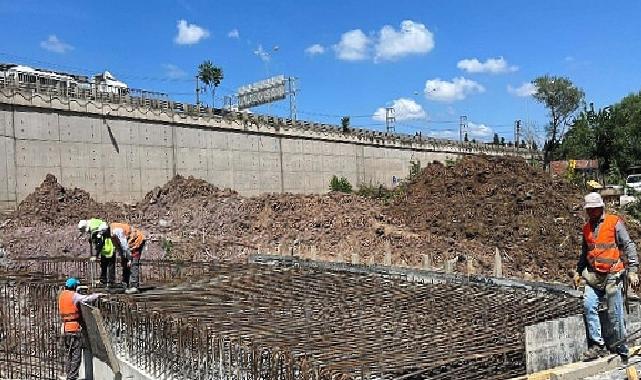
{"x":376,"y":192}
{"x":614,"y":176}
{"x":415,"y":169}
{"x":167,"y":246}
{"x":634,"y":209}
{"x":340,"y":184}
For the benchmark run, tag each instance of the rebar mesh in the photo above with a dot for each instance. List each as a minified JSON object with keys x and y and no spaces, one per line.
{"x":247,"y":321}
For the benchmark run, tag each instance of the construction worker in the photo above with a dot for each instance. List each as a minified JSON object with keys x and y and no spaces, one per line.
{"x":100,"y":247}
{"x":130,"y":242}
{"x":607,"y":255}
{"x":69,"y":308}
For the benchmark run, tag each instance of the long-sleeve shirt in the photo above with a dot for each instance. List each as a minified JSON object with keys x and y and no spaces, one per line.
{"x":626,"y":246}
{"x":119,"y":233}
{"x":84,"y":298}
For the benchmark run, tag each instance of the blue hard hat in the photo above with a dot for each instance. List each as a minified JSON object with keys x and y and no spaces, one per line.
{"x":71,"y":283}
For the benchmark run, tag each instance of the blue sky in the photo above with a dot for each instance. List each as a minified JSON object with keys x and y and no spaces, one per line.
{"x":432,"y":60}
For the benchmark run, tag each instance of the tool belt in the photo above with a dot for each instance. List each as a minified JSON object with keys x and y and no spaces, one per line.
{"x":599,"y":280}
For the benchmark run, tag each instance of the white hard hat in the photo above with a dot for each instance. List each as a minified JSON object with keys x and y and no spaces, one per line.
{"x":103,"y":227}
{"x":593,"y":200}
{"x":83,"y":224}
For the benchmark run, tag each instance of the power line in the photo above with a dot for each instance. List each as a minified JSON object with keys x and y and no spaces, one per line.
{"x":425,"y":124}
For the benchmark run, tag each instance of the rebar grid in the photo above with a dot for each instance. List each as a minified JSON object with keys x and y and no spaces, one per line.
{"x":247,"y":321}
{"x":337,"y":324}
{"x":152,"y":271}
{"x":30,"y":345}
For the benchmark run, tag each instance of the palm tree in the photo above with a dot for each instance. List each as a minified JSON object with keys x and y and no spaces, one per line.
{"x":211,"y":76}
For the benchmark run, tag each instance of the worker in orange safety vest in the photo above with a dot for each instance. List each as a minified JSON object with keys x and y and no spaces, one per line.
{"x":608,"y":256}
{"x":69,"y":302}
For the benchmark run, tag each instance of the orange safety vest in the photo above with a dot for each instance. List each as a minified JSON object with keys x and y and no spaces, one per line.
{"x":134,"y":236}
{"x":603,"y":253}
{"x":69,"y":311}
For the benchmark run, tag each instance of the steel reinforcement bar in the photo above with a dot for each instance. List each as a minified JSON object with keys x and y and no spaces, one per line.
{"x":246,"y":321}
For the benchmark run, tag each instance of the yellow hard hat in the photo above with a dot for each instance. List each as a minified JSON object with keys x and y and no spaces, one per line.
{"x":594,"y":184}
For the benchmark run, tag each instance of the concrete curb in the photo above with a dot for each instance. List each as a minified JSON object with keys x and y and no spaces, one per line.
{"x":579,"y":370}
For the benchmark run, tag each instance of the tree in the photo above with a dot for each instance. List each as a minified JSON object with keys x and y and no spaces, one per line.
{"x":495,"y":141}
{"x":579,"y":141}
{"x":211,"y":76}
{"x":535,"y":146}
{"x":465,"y":138}
{"x":562,"y":98}
{"x":611,"y":135}
{"x":502,"y":140}
{"x":617,"y":135}
{"x":345,"y":123}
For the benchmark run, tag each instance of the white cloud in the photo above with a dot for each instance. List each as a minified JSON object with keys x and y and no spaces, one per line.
{"x":315,"y":49}
{"x":353,"y":46}
{"x":458,"y":89}
{"x":262,"y":54}
{"x":478,"y":132}
{"x":233,"y":34}
{"x":174,"y":72}
{"x":53,"y":44}
{"x":491,"y":65}
{"x":411,"y":38}
{"x":526,"y":89}
{"x":189,"y":34}
{"x":404,"y":109}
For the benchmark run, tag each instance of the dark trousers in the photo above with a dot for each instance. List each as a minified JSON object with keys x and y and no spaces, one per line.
{"x":108,"y":269}
{"x":131,"y":275}
{"x":73,"y":355}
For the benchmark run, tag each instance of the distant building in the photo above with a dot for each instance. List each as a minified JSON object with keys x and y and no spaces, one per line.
{"x":587,"y":167}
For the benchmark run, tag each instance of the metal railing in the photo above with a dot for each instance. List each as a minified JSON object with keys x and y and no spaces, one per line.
{"x":160,"y":102}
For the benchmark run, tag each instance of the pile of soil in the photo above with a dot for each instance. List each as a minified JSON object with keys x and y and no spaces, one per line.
{"x":497,"y":202}
{"x":460,"y":213}
{"x":51,"y":204}
{"x":180,"y":188}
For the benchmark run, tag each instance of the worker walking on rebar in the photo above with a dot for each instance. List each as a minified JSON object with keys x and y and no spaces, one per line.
{"x":102,"y":247}
{"x":130,"y":242}
{"x":607,"y":256}
{"x":69,"y":302}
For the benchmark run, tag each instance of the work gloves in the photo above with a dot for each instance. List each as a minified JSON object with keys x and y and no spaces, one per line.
{"x":577,"y":280}
{"x":633,"y":278}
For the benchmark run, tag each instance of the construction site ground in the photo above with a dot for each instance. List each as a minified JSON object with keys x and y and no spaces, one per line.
{"x":462,"y":212}
{"x":459,"y":216}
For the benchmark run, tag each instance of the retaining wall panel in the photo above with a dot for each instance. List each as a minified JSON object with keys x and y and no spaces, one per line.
{"x":6,"y":120}
{"x":36,"y":125}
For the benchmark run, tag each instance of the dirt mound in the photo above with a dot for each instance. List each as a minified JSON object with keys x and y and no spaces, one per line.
{"x":497,"y":202}
{"x":460,"y":212}
{"x":52,"y":204}
{"x":180,"y":188}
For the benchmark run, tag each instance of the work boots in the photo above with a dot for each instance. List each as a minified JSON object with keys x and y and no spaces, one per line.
{"x":131,"y":291}
{"x":595,"y":352}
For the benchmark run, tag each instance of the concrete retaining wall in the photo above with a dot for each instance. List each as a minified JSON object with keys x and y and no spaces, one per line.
{"x":118,"y":152}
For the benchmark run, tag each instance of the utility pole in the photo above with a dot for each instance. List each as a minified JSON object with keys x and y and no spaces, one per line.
{"x":292,"y":99}
{"x":390,"y":119}
{"x":197,"y":92}
{"x":462,"y":128}
{"x":517,"y":133}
